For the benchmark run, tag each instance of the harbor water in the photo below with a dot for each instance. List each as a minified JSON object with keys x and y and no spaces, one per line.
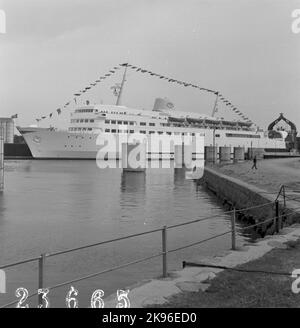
{"x":51,"y":205}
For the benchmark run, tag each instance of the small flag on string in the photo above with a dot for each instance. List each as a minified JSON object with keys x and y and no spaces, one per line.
{"x":50,"y":115}
{"x":14,"y":116}
{"x":58,"y":111}
{"x":37,"y":119}
{"x":43,"y":117}
{"x":76,"y":94}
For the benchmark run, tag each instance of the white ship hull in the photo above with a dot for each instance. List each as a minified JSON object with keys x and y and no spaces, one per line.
{"x":47,"y":143}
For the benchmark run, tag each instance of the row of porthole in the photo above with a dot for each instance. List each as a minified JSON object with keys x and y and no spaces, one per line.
{"x":76,"y":137}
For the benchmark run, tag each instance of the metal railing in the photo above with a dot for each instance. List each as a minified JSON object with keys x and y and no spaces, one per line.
{"x":276,"y":221}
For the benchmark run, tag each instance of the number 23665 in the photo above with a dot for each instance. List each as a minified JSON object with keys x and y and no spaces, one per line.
{"x":72,"y":298}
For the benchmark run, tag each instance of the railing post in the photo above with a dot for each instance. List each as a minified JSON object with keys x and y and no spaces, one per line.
{"x":277,"y":223}
{"x":41,"y":277}
{"x":277,"y":216}
{"x":164,"y":251}
{"x":233,"y":241}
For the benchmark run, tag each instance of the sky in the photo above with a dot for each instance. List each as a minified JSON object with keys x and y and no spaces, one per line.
{"x":243,"y":48}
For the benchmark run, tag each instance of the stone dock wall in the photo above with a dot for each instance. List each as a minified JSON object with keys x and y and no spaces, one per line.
{"x":235,"y":193}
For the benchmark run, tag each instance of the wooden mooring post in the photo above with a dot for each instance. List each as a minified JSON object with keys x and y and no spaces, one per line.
{"x":1,"y":158}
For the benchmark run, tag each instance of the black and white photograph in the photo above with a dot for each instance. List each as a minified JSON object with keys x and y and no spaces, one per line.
{"x":149,"y":157}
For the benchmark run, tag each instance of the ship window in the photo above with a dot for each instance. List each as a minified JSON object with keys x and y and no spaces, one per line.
{"x":151,"y":124}
{"x":143,"y":123}
{"x":113,"y":130}
{"x":240,"y":135}
{"x":131,"y":123}
{"x":86,"y":121}
{"x":217,"y":135}
{"x":92,"y":121}
{"x":81,"y":121}
{"x":143,"y":132}
{"x":107,"y":130}
{"x":169,"y":133}
{"x":113,"y":122}
{"x":160,"y":132}
{"x":151,"y":132}
{"x":90,"y":129}
{"x":119,"y":122}
{"x":107,"y":121}
{"x":131,"y":131}
{"x":125,"y":122}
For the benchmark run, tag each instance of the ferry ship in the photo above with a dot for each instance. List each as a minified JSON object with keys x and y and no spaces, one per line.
{"x":79,"y":141}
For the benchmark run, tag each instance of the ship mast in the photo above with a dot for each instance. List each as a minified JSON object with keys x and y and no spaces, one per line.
{"x":121,"y":88}
{"x":215,"y":105}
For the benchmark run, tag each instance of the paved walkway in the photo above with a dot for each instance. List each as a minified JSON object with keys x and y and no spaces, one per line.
{"x":270,"y":175}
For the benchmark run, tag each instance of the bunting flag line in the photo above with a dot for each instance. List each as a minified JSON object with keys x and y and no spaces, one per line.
{"x":112,"y":71}
{"x":81,"y":92}
{"x":185,"y":84}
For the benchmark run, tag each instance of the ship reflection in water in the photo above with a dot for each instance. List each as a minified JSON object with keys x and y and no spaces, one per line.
{"x":54,"y":205}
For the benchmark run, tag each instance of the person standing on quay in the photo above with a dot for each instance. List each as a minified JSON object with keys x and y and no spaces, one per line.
{"x":254,"y":163}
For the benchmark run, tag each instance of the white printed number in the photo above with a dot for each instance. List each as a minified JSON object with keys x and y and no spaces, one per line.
{"x":96,"y":300}
{"x":71,"y":300}
{"x":44,"y":292}
{"x":296,"y":283}
{"x":23,"y":294}
{"x":123,"y":300}
{"x":296,"y":22}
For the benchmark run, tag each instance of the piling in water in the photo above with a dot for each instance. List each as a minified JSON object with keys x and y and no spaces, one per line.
{"x":225,"y":153}
{"x":239,"y":153}
{"x":210,"y":153}
{"x":134,"y":157}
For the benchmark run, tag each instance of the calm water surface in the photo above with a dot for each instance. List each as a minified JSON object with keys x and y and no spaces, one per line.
{"x":49,"y":206}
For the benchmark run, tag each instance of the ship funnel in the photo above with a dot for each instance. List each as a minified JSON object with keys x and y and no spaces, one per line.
{"x":162,"y":103}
